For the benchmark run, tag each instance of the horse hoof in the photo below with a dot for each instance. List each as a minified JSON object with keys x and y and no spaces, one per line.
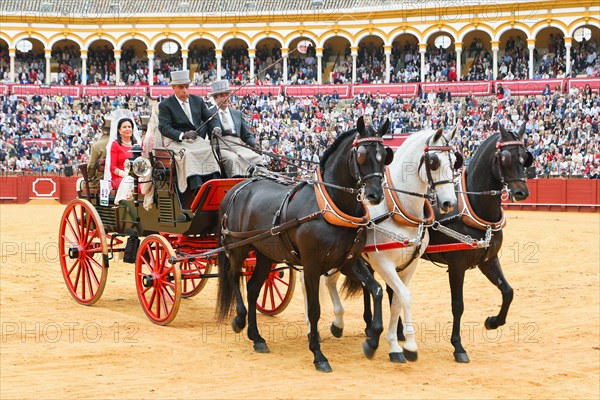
{"x":368,"y":351}
{"x":335,"y":331}
{"x":261,"y":347}
{"x":411,"y":356}
{"x":323,"y":366}
{"x":491,"y":323}
{"x":397,"y":358}
{"x":461,"y":358}
{"x":238,"y":324}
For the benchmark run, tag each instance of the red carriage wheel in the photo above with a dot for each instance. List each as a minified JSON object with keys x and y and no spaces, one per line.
{"x":191,"y":276}
{"x":83,"y":252}
{"x":157,"y":281}
{"x":277,"y":291}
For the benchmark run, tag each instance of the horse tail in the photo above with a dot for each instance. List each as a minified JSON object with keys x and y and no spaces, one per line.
{"x":352,"y":287}
{"x":226,"y":288}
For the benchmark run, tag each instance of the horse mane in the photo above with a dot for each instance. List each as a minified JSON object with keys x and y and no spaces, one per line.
{"x":334,"y":146}
{"x":490,"y":141}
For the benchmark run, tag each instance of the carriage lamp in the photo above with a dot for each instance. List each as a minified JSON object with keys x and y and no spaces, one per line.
{"x":141,"y":166}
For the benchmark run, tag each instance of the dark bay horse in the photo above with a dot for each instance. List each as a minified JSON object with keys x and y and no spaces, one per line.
{"x":499,"y":163}
{"x":320,"y":225}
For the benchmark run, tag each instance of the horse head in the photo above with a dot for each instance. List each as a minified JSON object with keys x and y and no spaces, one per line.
{"x":368,"y":159}
{"x":511,"y":161}
{"x":437,"y":166}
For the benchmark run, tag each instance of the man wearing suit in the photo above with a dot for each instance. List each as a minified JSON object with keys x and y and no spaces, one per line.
{"x":184,"y":123}
{"x":237,"y":159}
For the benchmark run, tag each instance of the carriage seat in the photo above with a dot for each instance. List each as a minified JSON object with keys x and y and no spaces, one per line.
{"x":82,"y":185}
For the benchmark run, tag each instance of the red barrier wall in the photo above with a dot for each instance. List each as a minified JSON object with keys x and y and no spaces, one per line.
{"x":560,"y":195}
{"x":478,"y":88}
{"x":545,"y":194}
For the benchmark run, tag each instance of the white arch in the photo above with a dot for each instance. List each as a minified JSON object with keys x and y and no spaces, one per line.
{"x":125,"y":39}
{"x":259,"y":39}
{"x":439,"y":30}
{"x":507,"y":28}
{"x":230,"y":37}
{"x":158,"y":39}
{"x":97,"y":38}
{"x":367,"y":34}
{"x":330,"y":35}
{"x":192,"y":39}
{"x":544,"y":26}
{"x":479,"y":28}
{"x":71,"y":38}
{"x":297,"y":35}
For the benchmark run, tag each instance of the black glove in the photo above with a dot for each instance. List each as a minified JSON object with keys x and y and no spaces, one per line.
{"x":190,"y":135}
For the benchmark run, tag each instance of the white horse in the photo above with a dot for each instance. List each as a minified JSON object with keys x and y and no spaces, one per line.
{"x":399,"y":236}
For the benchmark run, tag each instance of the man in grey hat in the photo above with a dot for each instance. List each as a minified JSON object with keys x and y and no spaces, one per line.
{"x":236,"y":135}
{"x":184,"y":122}
{"x":98,"y":156}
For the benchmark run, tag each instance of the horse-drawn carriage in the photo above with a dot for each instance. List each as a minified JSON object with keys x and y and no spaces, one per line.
{"x":93,"y":230}
{"x":261,"y":229}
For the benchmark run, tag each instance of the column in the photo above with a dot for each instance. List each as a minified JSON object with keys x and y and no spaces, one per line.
{"x":117,"y":66}
{"x":252,"y":55}
{"x":422,"y":50}
{"x":218,"y":56}
{"x":458,"y":49}
{"x":354,"y":54}
{"x":530,"y":46}
{"x":84,"y":55}
{"x":12,"y":52}
{"x":284,"y":54}
{"x":568,"y":43}
{"x":47,"y":72}
{"x":387,"y":50}
{"x":184,"y":58}
{"x":319,"y":52}
{"x":495,"y":48}
{"x":150,"y":53}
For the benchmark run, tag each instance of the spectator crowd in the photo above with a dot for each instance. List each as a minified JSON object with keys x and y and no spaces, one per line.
{"x":40,"y":134}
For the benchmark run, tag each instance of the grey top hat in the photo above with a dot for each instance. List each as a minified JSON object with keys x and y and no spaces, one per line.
{"x":180,"y":77}
{"x":219,"y":87}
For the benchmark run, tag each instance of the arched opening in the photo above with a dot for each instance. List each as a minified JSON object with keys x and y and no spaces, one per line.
{"x":440,"y":58}
{"x":302,"y":68}
{"x":202,"y":61}
{"x":268,"y":51}
{"x":30,"y":61}
{"x":167,"y":58}
{"x":337,"y":61}
{"x":370,"y":62}
{"x":134,"y":63}
{"x":65,"y":65}
{"x":477,"y":57}
{"x":101,"y":63}
{"x":405,"y":61}
{"x":513,"y":55}
{"x":584,"y":51}
{"x":550,"y":61}
{"x":4,"y":62}
{"x":235,"y":64}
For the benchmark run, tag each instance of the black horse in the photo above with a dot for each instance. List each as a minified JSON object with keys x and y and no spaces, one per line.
{"x":499,"y":163}
{"x":320,"y":225}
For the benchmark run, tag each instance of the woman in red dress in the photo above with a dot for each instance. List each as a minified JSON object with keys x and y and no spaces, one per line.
{"x":121,"y":150}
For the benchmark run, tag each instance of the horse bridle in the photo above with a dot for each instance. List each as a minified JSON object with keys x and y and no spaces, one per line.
{"x":358,"y":156}
{"x":432,"y":162}
{"x":504,"y":158}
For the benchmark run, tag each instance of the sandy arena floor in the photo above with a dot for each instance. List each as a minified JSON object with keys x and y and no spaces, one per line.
{"x":52,"y":347}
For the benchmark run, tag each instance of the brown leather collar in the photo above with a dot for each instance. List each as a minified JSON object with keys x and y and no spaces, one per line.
{"x":468,"y":215}
{"x":399,"y":213}
{"x":331,"y":212}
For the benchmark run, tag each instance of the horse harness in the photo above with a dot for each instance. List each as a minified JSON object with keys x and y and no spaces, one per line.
{"x":281,"y":226}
